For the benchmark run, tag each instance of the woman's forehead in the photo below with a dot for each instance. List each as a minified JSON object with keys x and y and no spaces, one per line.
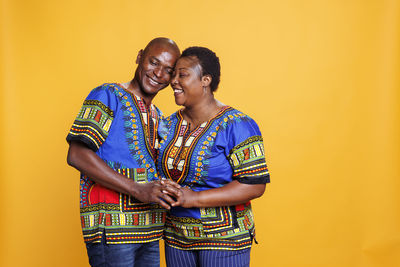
{"x":189,"y":62}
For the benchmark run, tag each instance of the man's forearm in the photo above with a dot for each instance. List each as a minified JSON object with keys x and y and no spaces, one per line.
{"x":89,"y":163}
{"x":86,"y":161}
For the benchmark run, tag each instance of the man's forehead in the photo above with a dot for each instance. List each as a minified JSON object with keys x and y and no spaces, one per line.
{"x":161,"y":44}
{"x":162,"y":54}
{"x":159,"y":48}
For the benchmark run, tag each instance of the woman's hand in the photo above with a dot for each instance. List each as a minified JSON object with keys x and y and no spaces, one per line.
{"x":187,"y":198}
{"x":164,"y":192}
{"x":233,"y":193}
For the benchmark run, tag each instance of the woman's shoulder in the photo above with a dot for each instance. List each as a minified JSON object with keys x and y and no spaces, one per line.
{"x":237,"y":126}
{"x":233,"y":116}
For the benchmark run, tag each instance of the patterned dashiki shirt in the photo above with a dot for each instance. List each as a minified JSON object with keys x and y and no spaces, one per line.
{"x":228,"y":147}
{"x":122,"y":131}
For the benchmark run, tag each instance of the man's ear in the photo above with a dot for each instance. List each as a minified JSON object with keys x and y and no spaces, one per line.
{"x":206,"y":80}
{"x":139,"y":56}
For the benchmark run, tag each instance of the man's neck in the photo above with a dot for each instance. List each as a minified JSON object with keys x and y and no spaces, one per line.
{"x":133,"y":87}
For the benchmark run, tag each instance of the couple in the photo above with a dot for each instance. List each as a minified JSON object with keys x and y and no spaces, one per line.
{"x":203,"y":163}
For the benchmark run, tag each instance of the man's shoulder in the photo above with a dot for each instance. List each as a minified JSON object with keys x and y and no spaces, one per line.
{"x":111,"y":87}
{"x":171,"y":118}
{"x":159,"y":112}
{"x":106,"y":92}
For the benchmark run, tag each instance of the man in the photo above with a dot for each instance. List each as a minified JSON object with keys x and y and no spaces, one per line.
{"x":113,"y":144}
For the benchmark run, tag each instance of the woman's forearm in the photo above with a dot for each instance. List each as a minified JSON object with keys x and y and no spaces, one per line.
{"x":230,"y":194}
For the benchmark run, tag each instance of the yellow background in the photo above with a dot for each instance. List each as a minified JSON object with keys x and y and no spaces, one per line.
{"x":321,"y":78}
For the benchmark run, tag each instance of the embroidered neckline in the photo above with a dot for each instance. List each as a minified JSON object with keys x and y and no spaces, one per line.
{"x":147,"y":116}
{"x":203,"y":124}
{"x":178,"y":152}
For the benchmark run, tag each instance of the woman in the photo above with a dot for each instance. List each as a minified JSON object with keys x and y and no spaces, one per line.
{"x":216,"y":154}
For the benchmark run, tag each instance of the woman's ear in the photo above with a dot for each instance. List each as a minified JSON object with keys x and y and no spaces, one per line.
{"x":206,"y":80}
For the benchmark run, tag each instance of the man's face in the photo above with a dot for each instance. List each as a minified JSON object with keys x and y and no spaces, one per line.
{"x":155,"y":68}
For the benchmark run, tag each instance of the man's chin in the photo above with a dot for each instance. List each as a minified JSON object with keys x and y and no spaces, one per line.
{"x":152,"y":91}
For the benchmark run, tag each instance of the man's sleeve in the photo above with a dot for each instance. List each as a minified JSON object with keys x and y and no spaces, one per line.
{"x":94,"y":119}
{"x":247,"y":157}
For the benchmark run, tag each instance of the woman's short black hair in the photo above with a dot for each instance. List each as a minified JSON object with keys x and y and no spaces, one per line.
{"x":208,"y":61}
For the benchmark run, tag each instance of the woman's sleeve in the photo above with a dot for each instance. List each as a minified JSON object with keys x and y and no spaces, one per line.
{"x":94,"y":119}
{"x":247,"y":156}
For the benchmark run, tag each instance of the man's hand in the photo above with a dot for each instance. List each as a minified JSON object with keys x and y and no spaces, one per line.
{"x":160,"y":192}
{"x":164,"y":192}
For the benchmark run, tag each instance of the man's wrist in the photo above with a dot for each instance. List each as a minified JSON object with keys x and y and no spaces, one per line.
{"x":133,"y":189}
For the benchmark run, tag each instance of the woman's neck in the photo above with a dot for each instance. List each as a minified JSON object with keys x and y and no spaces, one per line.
{"x":201,"y":112}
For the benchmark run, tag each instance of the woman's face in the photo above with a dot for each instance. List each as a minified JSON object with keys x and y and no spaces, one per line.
{"x":186,"y":82}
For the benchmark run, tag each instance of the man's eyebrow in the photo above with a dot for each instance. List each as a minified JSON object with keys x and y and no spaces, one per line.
{"x":158,"y":60}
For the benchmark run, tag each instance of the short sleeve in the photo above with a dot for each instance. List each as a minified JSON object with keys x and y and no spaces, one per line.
{"x":247,"y":157}
{"x":94,"y":119}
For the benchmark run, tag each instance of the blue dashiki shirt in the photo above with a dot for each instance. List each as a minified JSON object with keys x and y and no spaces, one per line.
{"x":122,"y":131}
{"x":228,"y":147}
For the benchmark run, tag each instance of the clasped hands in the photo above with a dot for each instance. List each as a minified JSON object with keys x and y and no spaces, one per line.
{"x":167,"y":193}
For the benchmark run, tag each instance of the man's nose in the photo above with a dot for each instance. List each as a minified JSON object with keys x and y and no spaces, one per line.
{"x":158,"y":72}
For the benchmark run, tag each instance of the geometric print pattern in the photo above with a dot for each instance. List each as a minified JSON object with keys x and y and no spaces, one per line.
{"x":185,"y":159}
{"x":121,"y":218}
{"x":188,"y":163}
{"x":248,"y":161}
{"x":219,"y":228}
{"x":122,"y":227}
{"x":93,"y":122}
{"x":129,"y":203}
{"x":125,"y":220}
{"x":179,"y":153}
{"x":149,"y":118}
{"x":138,"y":128}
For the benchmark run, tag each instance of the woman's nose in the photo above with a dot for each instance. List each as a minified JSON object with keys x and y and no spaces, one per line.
{"x":174,"y":79}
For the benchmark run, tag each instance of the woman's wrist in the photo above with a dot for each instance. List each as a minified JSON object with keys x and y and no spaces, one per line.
{"x":197,"y":199}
